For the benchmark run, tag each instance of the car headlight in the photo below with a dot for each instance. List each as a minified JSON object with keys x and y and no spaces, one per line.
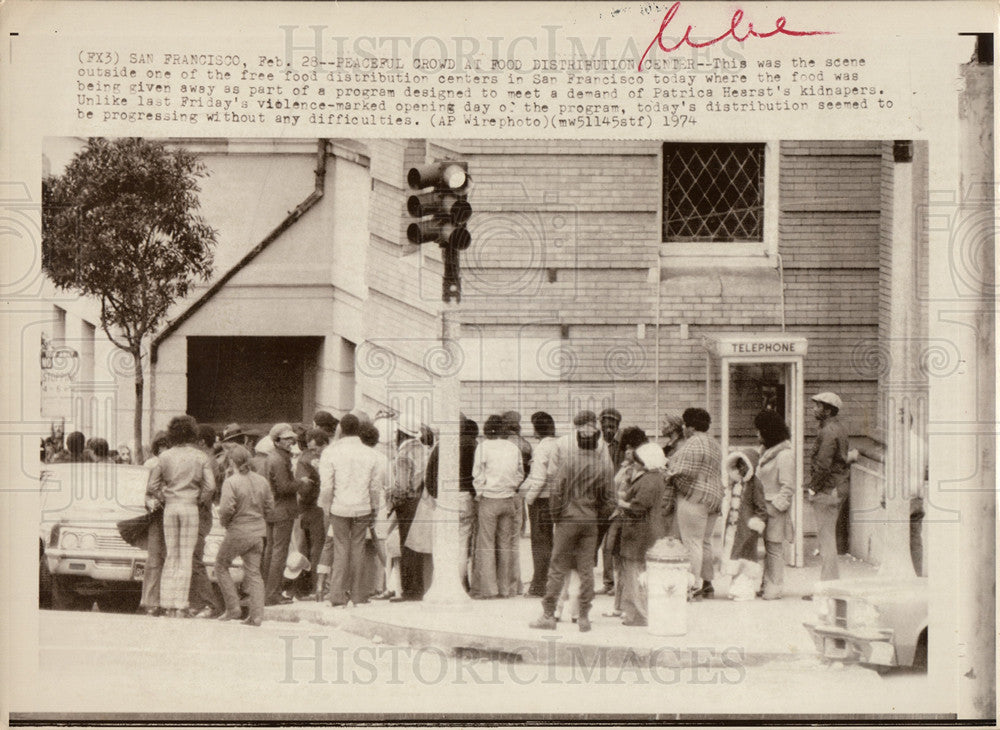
{"x":69,"y":540}
{"x":211,"y":549}
{"x":823,"y":608}
{"x":88,"y":541}
{"x":863,"y":615}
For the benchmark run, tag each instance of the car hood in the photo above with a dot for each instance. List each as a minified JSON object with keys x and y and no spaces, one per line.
{"x":874,"y":587}
{"x":96,"y":517}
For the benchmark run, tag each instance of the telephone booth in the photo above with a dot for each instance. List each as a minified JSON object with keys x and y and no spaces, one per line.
{"x":756,"y":372}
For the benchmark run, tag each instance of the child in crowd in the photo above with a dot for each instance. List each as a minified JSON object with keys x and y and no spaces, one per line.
{"x":745,"y":523}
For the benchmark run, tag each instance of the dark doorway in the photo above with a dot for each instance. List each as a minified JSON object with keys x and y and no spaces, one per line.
{"x":754,"y":388}
{"x":251,"y":380}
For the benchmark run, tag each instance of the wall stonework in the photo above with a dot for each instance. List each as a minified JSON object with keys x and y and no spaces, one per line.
{"x":568,"y":234}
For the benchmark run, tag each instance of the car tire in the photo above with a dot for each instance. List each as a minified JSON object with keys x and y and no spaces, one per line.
{"x":64,"y":598}
{"x":120,"y":601}
{"x":44,"y":583}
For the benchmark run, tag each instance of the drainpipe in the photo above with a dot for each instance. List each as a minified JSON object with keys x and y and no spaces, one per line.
{"x":656,"y":345}
{"x":781,"y":287}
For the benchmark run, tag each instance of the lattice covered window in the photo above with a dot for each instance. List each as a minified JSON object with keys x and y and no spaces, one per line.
{"x":713,"y":192}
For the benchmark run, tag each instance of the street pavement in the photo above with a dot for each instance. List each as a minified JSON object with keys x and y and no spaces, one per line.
{"x":91,"y":662}
{"x":719,"y":631}
{"x":738,"y":660}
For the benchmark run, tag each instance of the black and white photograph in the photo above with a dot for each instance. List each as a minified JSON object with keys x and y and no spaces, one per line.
{"x":416,"y":426}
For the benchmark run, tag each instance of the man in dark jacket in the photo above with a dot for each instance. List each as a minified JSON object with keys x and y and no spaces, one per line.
{"x":581,"y":498}
{"x":829,"y":482}
{"x":285,"y":488}
{"x":610,"y":420}
{"x":310,"y":514}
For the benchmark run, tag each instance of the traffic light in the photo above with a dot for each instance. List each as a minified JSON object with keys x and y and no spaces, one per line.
{"x":443,"y":209}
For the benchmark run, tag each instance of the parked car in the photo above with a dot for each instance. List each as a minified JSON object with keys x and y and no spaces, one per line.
{"x":81,"y":556}
{"x":879,"y":622}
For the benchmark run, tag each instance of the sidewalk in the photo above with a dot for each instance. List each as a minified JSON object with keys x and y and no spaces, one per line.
{"x":720,"y":632}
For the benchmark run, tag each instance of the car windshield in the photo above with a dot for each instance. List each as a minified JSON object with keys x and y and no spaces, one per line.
{"x":68,"y":488}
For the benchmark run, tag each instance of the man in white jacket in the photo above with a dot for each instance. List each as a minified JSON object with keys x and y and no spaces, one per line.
{"x":351,"y":477}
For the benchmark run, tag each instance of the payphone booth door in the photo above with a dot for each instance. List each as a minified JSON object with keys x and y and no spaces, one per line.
{"x":779,"y":353}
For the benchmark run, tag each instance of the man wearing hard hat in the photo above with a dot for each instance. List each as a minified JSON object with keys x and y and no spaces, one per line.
{"x":830,"y":478}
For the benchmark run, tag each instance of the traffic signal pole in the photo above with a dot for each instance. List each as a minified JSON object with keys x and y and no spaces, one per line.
{"x":446,"y":588}
{"x":441,"y":210}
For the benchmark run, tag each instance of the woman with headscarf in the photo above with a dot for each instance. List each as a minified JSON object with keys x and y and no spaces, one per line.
{"x":672,"y":433}
{"x":637,"y":503}
{"x":182,"y":479}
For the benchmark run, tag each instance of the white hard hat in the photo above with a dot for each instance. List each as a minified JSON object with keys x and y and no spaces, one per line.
{"x":295,"y":564}
{"x":409,"y":425}
{"x":386,"y":431}
{"x":829,"y":398}
{"x":651,"y":455}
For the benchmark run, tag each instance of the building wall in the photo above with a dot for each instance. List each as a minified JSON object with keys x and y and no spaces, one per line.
{"x":567,"y":271}
{"x":566,"y":249}
{"x":80,"y":371}
{"x":306,"y":283}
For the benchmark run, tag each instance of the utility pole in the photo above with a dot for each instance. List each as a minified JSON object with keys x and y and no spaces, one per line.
{"x":443,"y":209}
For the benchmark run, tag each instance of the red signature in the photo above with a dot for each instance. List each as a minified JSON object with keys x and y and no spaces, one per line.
{"x":779,"y":27}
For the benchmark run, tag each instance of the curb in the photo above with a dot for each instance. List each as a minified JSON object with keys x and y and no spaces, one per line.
{"x":545,"y":650}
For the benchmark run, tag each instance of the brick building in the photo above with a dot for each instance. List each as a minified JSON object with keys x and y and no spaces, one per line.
{"x":580,"y":288}
{"x":598,"y":270}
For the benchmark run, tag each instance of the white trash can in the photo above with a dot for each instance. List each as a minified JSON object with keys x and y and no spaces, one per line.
{"x":667,"y":580}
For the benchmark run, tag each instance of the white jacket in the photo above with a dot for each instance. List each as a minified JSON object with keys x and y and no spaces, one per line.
{"x":351,"y":477}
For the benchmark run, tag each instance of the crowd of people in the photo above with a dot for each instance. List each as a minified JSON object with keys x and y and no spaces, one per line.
{"x":59,"y":448}
{"x":611,"y":486}
{"x":321,"y":513}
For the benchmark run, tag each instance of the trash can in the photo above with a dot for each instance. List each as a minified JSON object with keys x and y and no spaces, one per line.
{"x":667,"y":581}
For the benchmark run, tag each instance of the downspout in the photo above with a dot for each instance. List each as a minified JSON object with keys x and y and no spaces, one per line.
{"x":781,"y":286}
{"x":656,"y":344}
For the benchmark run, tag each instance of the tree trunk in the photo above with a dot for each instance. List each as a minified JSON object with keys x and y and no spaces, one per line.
{"x":138,"y":455}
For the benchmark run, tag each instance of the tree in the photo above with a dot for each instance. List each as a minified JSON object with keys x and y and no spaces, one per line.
{"x":121,"y":225}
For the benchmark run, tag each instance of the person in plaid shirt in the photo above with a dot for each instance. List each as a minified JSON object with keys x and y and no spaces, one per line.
{"x":695,"y":474}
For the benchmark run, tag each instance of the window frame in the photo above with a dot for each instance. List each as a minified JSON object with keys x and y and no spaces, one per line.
{"x":752,"y":252}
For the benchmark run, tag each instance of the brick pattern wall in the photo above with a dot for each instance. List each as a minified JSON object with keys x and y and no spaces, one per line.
{"x":567,"y":233}
{"x":832,"y":212}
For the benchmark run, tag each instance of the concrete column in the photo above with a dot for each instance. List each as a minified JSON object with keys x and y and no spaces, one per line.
{"x":977,"y":537}
{"x":905,"y":389}
{"x":447,"y":589}
{"x":336,"y":383}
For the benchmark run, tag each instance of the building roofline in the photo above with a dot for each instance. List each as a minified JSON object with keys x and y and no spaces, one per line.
{"x":322,"y":151}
